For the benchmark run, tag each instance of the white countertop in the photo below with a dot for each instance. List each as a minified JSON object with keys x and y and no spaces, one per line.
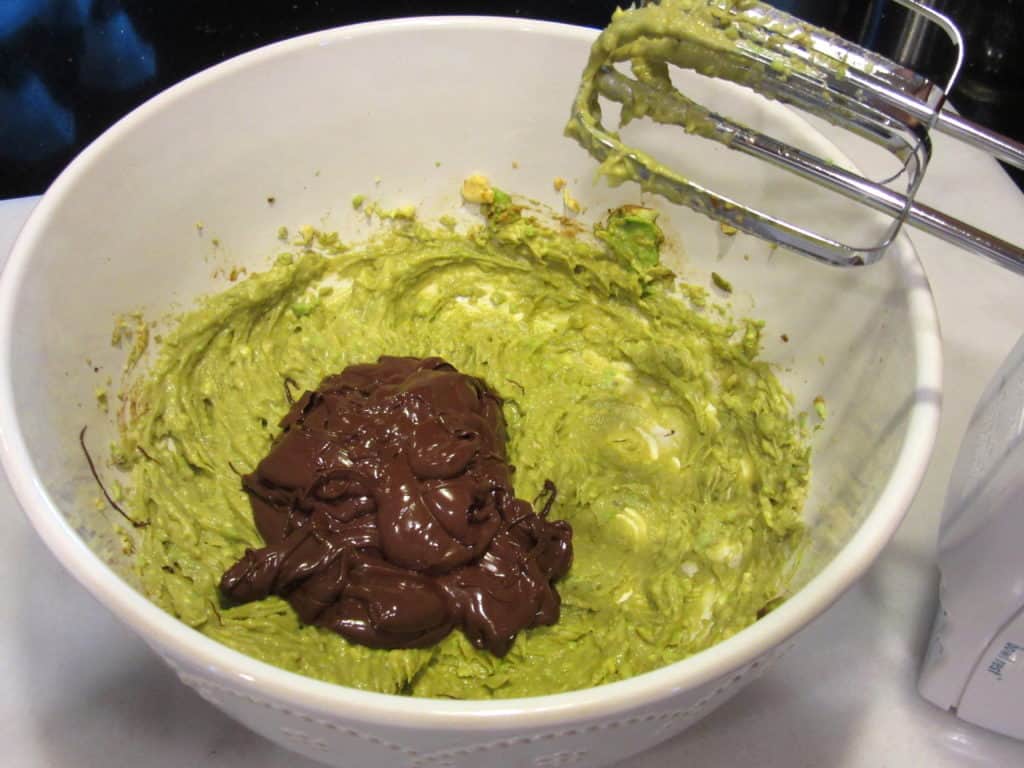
{"x":78,"y":689}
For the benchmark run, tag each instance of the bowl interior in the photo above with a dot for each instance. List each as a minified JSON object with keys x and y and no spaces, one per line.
{"x":402,"y":112}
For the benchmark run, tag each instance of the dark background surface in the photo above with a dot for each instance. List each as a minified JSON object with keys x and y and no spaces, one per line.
{"x":70,"y":68}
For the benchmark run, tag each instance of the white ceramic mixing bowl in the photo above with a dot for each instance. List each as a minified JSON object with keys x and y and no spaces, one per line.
{"x":373,"y":109}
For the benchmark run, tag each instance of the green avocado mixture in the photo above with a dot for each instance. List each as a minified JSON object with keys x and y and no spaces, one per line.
{"x":676,"y":455}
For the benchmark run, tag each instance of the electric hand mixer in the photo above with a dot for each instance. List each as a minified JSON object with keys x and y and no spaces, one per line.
{"x":785,"y":59}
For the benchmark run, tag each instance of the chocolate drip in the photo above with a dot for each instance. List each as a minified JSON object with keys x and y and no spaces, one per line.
{"x":389,"y":516}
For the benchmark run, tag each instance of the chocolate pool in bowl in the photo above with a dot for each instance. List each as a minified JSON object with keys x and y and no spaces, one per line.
{"x":313,"y":121}
{"x":389,"y":516}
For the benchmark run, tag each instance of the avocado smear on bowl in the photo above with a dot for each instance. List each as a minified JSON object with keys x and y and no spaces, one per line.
{"x":679,"y":462}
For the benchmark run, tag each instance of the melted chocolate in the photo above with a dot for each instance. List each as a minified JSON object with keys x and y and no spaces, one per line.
{"x":389,"y":516}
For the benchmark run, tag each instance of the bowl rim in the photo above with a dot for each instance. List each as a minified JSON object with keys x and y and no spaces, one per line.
{"x":260,"y":679}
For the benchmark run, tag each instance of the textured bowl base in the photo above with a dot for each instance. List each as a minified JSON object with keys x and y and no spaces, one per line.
{"x":344,"y":743}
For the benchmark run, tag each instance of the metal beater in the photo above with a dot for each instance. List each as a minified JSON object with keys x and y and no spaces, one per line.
{"x":785,"y":59}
